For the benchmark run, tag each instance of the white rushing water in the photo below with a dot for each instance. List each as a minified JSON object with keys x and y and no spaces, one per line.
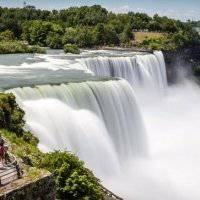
{"x":104,"y":123}
{"x":87,"y":118}
{"x":141,"y":71}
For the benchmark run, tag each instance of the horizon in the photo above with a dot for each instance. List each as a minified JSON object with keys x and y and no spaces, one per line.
{"x":182,"y":10}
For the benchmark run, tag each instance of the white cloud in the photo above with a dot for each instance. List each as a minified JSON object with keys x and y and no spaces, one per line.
{"x":122,"y":9}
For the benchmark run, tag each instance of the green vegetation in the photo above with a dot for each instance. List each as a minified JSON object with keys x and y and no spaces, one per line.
{"x":9,"y":47}
{"x":71,"y":48}
{"x":172,"y":41}
{"x":73,"y":180}
{"x":7,"y":36}
{"x":11,"y":116}
{"x":93,"y":26}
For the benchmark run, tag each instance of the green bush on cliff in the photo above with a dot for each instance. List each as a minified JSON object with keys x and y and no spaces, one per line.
{"x":73,"y":180}
{"x":24,"y":147}
{"x":11,"y":116}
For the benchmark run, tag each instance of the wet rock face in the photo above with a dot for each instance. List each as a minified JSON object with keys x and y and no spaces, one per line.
{"x":42,"y":189}
{"x":181,"y":60}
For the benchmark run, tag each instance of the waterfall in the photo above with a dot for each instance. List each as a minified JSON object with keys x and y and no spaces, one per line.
{"x":101,"y":123}
{"x":141,"y":71}
{"x":97,"y":120}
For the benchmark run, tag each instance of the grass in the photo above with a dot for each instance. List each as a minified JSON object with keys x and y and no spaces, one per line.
{"x":21,"y":148}
{"x":141,"y":36}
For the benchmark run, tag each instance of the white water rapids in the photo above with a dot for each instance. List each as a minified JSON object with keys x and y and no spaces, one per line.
{"x":104,"y":123}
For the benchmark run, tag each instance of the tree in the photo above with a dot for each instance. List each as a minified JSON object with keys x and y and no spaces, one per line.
{"x":54,"y":40}
{"x":127,"y":35}
{"x":85,"y":37}
{"x":37,"y":32}
{"x":99,"y":34}
{"x":70,"y":36}
{"x":7,"y":35}
{"x":111,"y":37}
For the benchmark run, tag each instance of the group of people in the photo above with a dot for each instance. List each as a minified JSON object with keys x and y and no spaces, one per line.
{"x":3,"y":152}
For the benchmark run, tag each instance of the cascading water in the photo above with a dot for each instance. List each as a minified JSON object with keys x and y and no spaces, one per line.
{"x":99,"y":121}
{"x":141,"y":71}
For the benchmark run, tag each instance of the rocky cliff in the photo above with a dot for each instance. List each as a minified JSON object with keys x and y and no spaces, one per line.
{"x":181,"y":60}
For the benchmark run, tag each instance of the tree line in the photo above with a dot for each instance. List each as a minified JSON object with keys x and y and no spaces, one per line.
{"x":87,"y":26}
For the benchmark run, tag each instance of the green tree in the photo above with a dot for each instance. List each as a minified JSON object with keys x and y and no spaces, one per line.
{"x":111,"y":36}
{"x":42,"y":33}
{"x":70,"y":36}
{"x":54,"y":40}
{"x":127,"y":35}
{"x":11,"y":116}
{"x":99,"y":34}
{"x":7,"y":36}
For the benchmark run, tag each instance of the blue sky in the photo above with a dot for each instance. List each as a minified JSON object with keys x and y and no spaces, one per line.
{"x":180,"y":9}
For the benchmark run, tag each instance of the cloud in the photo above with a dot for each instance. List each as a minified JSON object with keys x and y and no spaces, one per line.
{"x":121,"y":9}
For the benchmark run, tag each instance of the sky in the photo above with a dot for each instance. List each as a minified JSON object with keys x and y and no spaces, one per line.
{"x":179,"y":9}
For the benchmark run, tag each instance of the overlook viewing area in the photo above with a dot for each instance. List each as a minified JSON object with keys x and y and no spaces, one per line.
{"x":11,"y":179}
{"x":9,"y":171}
{"x":8,"y":174}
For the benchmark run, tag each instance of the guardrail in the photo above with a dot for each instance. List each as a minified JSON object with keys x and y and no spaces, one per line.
{"x":110,"y":194}
{"x":10,"y":172}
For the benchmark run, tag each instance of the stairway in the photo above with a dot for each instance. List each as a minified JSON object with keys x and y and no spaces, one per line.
{"x":8,"y":174}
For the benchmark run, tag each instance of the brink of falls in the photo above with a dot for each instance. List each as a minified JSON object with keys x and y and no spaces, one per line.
{"x":141,"y":71}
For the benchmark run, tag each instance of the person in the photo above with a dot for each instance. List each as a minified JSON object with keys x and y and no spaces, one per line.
{"x":3,"y":150}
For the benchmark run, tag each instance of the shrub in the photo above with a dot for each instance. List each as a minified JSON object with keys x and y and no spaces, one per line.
{"x":30,"y":138}
{"x":35,"y":49}
{"x":11,"y":116}
{"x":19,"y":47}
{"x":71,"y":48}
{"x":7,"y":35}
{"x":73,"y":180}
{"x":159,"y":44}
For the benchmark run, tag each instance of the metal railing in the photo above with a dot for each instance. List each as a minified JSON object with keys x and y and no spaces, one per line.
{"x":12,"y":170}
{"x":108,"y":193}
